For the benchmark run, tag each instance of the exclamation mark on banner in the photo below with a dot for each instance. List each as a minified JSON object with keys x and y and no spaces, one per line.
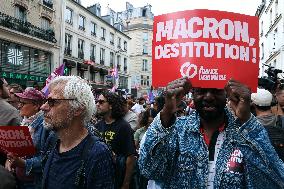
{"x":254,"y":55}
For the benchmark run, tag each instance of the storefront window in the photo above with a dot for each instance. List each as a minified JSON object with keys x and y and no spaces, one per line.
{"x":23,"y":65}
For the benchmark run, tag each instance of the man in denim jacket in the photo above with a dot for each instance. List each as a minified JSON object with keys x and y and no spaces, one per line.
{"x":211,"y":148}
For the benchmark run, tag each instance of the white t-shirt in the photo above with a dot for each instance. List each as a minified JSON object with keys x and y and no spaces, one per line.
{"x":138,"y":108}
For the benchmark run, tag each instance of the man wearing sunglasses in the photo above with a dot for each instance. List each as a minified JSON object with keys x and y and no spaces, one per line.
{"x":211,"y":148}
{"x":77,"y":159}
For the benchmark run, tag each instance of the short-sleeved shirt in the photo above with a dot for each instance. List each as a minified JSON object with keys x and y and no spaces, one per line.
{"x":61,"y":170}
{"x":118,"y":135}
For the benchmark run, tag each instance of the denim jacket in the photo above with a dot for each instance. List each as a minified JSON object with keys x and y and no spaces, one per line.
{"x":177,"y":157}
{"x":34,"y":163}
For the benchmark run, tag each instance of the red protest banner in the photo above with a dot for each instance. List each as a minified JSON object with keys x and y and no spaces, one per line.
{"x":209,"y":47}
{"x":16,"y":140}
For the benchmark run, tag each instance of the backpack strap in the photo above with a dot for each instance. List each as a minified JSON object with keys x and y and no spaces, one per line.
{"x":80,"y":178}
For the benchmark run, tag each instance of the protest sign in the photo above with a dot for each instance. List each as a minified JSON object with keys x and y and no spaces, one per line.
{"x":209,"y":47}
{"x":16,"y":140}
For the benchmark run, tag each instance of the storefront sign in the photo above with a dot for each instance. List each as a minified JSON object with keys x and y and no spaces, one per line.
{"x":209,"y":47}
{"x":15,"y":56}
{"x":26,"y":77}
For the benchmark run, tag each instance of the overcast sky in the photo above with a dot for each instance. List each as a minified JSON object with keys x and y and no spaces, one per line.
{"x":167,"y":6}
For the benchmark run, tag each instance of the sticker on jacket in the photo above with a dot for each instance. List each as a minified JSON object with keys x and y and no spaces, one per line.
{"x":235,"y":163}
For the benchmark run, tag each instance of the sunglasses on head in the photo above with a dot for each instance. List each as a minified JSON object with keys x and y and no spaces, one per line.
{"x":53,"y":101}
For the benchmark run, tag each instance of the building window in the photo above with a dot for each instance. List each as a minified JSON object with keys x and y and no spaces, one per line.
{"x":68,"y":42}
{"x":276,"y":8}
{"x":274,"y":63}
{"x":68,"y":15}
{"x":102,"y":77}
{"x":111,"y":38}
{"x":145,"y":49}
{"x":125,"y":45}
{"x":93,"y":53}
{"x":93,"y":29}
{"x":48,"y":3}
{"x":270,"y":16}
{"x":144,"y":12}
{"x":145,"y":36}
{"x":93,"y":76}
{"x":102,"y":56}
{"x":111,"y":60}
{"x":125,"y":65}
{"x":262,"y":51}
{"x":80,"y":48}
{"x":145,"y":81}
{"x":123,"y":82}
{"x":103,"y":37}
{"x":145,"y":65}
{"x":81,"y":22}
{"x":274,"y":39}
{"x":45,"y":23}
{"x":118,"y":62}
{"x":119,"y":43}
{"x":21,"y":13}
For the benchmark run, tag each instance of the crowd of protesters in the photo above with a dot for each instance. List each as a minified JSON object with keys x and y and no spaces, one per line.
{"x":219,"y":138}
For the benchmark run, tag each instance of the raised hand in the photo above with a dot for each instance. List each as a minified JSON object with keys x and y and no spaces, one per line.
{"x":239,"y":96}
{"x":174,"y":93}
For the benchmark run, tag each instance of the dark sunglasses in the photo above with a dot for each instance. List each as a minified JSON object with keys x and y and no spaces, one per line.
{"x":100,"y":101}
{"x":53,"y":101}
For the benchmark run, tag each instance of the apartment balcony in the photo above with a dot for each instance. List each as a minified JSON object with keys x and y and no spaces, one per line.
{"x":26,"y":28}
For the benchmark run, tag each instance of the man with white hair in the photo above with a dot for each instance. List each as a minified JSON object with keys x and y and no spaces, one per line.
{"x":77,"y":159}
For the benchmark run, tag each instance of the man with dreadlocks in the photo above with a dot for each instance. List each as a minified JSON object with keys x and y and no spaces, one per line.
{"x":118,"y":134}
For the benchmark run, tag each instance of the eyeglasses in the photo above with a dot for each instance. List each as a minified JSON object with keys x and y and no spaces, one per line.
{"x":53,"y":101}
{"x":100,"y":101}
{"x":24,"y":103}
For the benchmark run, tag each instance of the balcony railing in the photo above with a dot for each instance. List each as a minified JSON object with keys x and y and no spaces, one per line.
{"x":68,"y":51}
{"x":48,"y":3}
{"x":26,"y":28}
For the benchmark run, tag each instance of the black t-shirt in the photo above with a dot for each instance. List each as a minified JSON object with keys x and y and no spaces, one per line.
{"x":118,"y":135}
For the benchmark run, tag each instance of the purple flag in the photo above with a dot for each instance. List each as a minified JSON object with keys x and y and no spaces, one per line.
{"x":57,"y":72}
